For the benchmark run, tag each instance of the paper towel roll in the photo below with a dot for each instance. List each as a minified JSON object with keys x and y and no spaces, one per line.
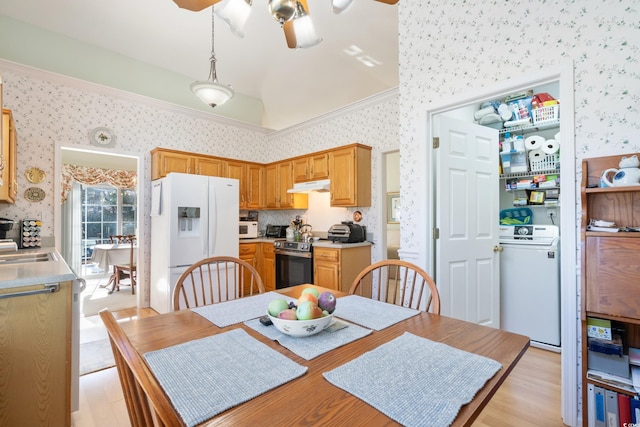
{"x":536,"y":154}
{"x":533,"y":142}
{"x":550,"y":146}
{"x":557,"y":137}
{"x":481,"y":113}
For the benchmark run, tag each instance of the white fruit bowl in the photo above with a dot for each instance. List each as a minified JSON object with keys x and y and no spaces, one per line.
{"x":301,"y":328}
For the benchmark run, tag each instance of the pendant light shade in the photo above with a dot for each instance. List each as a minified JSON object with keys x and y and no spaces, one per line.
{"x":210,"y":91}
{"x":339,"y":6}
{"x":303,"y":28}
{"x":235,"y":14}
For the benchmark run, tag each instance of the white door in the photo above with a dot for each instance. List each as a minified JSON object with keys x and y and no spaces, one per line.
{"x":467,"y":212}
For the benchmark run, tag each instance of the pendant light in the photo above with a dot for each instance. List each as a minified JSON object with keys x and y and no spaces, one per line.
{"x":339,"y":6}
{"x":303,"y":28}
{"x":210,"y":91}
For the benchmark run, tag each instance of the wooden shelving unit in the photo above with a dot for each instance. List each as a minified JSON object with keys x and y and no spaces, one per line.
{"x":610,"y":262}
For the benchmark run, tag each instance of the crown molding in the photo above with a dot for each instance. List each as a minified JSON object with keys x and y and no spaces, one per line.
{"x":80,"y":84}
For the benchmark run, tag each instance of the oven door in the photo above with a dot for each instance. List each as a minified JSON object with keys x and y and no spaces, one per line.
{"x":293,"y":268}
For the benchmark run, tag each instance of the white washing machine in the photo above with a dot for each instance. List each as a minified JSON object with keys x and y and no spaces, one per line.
{"x":530,"y":283}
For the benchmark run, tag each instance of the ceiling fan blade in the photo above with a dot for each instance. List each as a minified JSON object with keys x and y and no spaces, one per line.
{"x":195,"y":5}
{"x":388,"y":1}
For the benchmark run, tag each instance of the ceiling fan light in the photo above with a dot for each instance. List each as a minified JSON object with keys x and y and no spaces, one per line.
{"x":303,"y":29}
{"x":235,"y":14}
{"x":212,"y":93}
{"x":306,"y":35}
{"x":339,"y":6}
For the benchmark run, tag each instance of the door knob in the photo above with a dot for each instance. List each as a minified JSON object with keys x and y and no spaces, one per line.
{"x":498,"y":248}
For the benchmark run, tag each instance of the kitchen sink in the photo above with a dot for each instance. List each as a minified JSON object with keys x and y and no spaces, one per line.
{"x":18,"y":258}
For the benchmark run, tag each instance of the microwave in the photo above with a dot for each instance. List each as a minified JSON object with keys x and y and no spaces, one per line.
{"x":248,"y":229}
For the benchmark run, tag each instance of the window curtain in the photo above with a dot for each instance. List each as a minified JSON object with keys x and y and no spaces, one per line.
{"x":95,"y":176}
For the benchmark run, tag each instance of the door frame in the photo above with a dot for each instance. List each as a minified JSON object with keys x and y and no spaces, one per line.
{"x":57,"y":217}
{"x":563,"y":74}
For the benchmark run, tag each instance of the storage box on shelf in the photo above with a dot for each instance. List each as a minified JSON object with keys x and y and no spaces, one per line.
{"x":610,"y":267}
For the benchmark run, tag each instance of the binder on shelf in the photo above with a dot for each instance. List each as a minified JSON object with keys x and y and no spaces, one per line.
{"x":634,"y":403}
{"x":624,"y":409}
{"x":611,"y":407}
{"x":591,"y":405}
{"x":600,"y":420}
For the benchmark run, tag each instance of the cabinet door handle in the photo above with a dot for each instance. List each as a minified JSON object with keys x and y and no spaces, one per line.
{"x":48,"y":289}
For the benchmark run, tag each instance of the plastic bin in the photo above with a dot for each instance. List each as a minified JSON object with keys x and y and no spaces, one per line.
{"x":546,"y":114}
{"x":516,"y":216}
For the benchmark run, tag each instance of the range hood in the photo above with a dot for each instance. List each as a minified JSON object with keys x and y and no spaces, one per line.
{"x":307,"y":187}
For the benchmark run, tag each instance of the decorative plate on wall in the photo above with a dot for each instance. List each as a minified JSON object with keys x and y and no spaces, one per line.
{"x":34,"y":194}
{"x":35,"y":175}
{"x":102,"y":137}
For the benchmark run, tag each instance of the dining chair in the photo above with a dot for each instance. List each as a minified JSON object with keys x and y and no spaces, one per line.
{"x":398,"y":282}
{"x":147,"y":404}
{"x":126,"y":270}
{"x":216,"y":279}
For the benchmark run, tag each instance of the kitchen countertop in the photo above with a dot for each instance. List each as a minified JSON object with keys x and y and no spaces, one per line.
{"x":320,"y":244}
{"x":34,"y":273}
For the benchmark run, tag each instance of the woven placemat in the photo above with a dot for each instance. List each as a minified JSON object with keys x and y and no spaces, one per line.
{"x":208,"y":376}
{"x":371,"y":313}
{"x":239,"y":310}
{"x":313,"y":346}
{"x":415,"y":381}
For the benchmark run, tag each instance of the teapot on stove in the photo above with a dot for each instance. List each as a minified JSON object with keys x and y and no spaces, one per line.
{"x":628,"y":174}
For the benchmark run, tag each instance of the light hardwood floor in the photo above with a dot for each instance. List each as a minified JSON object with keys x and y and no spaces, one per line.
{"x":530,"y":397}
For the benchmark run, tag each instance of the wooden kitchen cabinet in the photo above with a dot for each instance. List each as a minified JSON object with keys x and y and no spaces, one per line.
{"x":250,"y":177}
{"x":249,"y":252}
{"x":350,"y":175}
{"x":610,"y":262}
{"x":35,"y":344}
{"x":278,"y":179}
{"x":311,"y":168}
{"x":268,"y":267}
{"x":209,"y":166}
{"x":337,"y":268}
{"x":164,"y":161}
{"x":8,"y":159}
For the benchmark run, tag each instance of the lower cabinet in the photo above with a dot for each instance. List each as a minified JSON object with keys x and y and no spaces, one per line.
{"x":248,"y":253}
{"x":35,"y":349}
{"x":268,"y":267}
{"x":336,"y":268}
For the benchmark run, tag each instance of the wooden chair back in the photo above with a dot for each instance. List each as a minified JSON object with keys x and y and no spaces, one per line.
{"x":126,"y":270}
{"x":216,"y":279}
{"x":147,"y":404}
{"x":398,"y":282}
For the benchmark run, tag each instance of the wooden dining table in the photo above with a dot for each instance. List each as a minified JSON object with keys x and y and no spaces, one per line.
{"x":311,"y":399}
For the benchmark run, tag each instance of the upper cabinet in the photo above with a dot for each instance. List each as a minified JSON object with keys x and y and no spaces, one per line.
{"x":311,"y":168}
{"x":250,"y":176}
{"x":279,"y":179}
{"x":350,"y":175}
{"x":164,"y":161}
{"x":265,"y":186}
{"x":8,"y":159}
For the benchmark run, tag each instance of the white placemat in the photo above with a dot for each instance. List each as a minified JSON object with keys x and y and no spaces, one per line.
{"x":208,"y":376}
{"x":371,"y":313}
{"x":415,"y":381}
{"x":238,"y":310}
{"x":313,"y":346}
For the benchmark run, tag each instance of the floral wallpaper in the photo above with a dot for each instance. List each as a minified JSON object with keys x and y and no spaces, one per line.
{"x":451,"y":48}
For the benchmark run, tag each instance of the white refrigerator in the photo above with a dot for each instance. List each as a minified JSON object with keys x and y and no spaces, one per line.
{"x":192,"y":217}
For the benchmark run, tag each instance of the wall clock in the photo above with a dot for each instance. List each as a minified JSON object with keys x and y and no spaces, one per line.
{"x":102,"y":137}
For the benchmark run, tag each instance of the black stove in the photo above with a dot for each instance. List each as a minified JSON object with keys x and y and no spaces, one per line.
{"x":294,"y":263}
{"x":287,"y":245}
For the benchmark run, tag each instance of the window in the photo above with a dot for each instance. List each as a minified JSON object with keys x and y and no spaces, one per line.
{"x":106,"y":211}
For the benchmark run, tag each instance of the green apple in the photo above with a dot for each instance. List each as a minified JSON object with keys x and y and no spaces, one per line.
{"x":277,"y":305}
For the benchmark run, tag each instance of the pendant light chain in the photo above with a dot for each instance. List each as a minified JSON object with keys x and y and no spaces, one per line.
{"x":212,"y":71}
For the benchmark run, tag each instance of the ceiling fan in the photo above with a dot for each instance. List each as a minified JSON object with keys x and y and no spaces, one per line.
{"x":293,"y":15}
